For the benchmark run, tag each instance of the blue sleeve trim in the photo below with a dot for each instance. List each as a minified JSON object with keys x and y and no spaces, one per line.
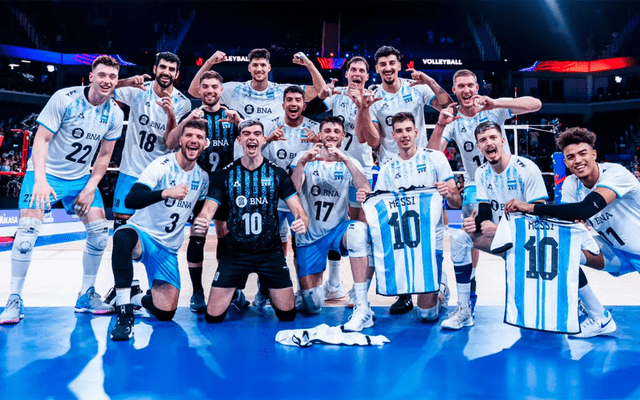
{"x":49,"y":129}
{"x":539,"y":198}
{"x":612,"y":189}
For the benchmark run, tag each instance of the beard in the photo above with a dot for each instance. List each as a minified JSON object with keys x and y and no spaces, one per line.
{"x":162,"y":84}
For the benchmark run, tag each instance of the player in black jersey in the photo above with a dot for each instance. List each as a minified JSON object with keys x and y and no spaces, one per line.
{"x":222,"y":132}
{"x":252,"y":186}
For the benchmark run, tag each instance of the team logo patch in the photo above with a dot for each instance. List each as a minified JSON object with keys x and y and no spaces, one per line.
{"x":77,"y":133}
{"x":195,"y":185}
{"x":315,"y":190}
{"x":421,"y":168}
{"x":281,"y":154}
{"x":267,"y":181}
{"x":236,"y":184}
{"x":169,"y":202}
{"x":241,"y":201}
{"x":144,"y":119}
{"x":81,"y":115}
{"x":388,"y":120}
{"x":468,"y":146}
{"x":249,"y":109}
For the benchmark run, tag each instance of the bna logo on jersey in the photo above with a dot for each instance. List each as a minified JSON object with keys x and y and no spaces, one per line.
{"x":468,"y":146}
{"x":169,"y":202}
{"x":77,"y":133}
{"x":388,"y":120}
{"x":143,"y":119}
{"x":281,"y":154}
{"x":249,"y":109}
{"x":241,"y":201}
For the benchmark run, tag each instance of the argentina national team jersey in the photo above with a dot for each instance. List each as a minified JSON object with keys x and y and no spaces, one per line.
{"x":144,"y":138}
{"x":542,"y":266}
{"x":324,"y":196}
{"x":254,"y":104}
{"x":521,"y":180}
{"x":78,"y":127}
{"x":252,"y":197}
{"x":410,"y":99}
{"x":403,"y":239}
{"x":462,"y":132}
{"x":165,"y":220}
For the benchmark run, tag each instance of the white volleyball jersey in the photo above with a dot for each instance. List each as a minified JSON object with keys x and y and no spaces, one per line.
{"x":254,"y":104}
{"x":462,"y":131}
{"x":423,"y":169}
{"x":619,"y":222}
{"x":78,"y":127}
{"x":165,"y":220}
{"x":144,"y":139}
{"x":325,"y":196}
{"x":411,"y":99}
{"x":542,"y":266}
{"x":345,"y":108}
{"x":521,"y":180}
{"x":283,"y":152}
{"x":403,"y":239}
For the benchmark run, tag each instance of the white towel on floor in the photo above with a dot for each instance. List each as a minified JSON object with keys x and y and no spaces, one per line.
{"x":325,"y":334}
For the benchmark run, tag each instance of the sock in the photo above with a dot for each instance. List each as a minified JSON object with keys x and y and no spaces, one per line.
{"x":463,"y":282}
{"x":87,"y":282}
{"x":464,"y":293}
{"x":17,"y":282}
{"x":590,"y":301}
{"x":123,"y":296}
{"x":361,"y":290}
{"x":334,"y":273}
{"x":196,"y":278}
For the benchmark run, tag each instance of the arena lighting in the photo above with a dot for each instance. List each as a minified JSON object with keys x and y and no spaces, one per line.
{"x":12,"y":66}
{"x":25,"y":53}
{"x":582,"y":67}
{"x":618,"y":79}
{"x":51,"y":68}
{"x":26,"y":61}
{"x":331,"y":63}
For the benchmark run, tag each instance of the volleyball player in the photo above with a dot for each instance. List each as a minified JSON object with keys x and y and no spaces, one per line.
{"x":164,"y":197}
{"x":73,"y":124}
{"x":459,"y":125}
{"x":252,"y":186}
{"x":375,"y":112}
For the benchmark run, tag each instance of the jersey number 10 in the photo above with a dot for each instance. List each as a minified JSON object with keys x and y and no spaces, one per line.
{"x":402,"y":229}
{"x":538,"y":268}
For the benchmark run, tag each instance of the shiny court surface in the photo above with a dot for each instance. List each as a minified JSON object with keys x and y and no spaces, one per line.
{"x":57,"y":354}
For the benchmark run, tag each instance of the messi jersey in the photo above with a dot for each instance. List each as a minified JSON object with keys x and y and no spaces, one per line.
{"x":78,"y":127}
{"x":252,"y":197}
{"x":403,"y":238}
{"x":542,"y":266}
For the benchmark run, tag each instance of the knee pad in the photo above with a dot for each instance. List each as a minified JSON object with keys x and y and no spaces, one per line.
{"x":97,"y":237}
{"x":461,"y":245}
{"x":358,"y":240}
{"x":313,"y":299}
{"x":25,"y":239}
{"x":195,"y":249}
{"x":147,"y":302}
{"x":285,"y":315}
{"x":429,"y":314}
{"x":215,"y":320}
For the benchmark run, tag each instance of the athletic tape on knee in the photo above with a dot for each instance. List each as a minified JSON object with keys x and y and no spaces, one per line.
{"x":147,"y":302}
{"x":195,"y":249}
{"x":358,"y":240}
{"x":429,"y":314}
{"x":313,"y":299}
{"x":25,"y":240}
{"x":97,"y":237}
{"x":461,"y":245}
{"x":285,"y":315}
{"x":215,"y":320}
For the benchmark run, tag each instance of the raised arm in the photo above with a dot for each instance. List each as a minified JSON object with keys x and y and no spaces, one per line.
{"x":442,"y":99}
{"x":316,"y":77}
{"x":216,"y":58}
{"x":520,"y":105}
{"x":447,"y":116}
{"x":366,"y":130}
{"x":298,"y":173}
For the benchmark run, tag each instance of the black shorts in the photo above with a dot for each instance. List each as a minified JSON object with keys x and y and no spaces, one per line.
{"x":273,"y":273}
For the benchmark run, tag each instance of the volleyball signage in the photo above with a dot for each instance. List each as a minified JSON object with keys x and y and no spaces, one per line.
{"x":442,"y":61}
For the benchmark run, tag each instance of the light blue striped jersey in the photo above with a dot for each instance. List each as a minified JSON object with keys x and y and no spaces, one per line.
{"x":254,"y":104}
{"x":403,"y":239}
{"x":542,"y":266}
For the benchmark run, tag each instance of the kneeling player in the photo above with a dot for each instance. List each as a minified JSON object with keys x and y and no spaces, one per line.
{"x":164,"y":197}
{"x":252,"y":186}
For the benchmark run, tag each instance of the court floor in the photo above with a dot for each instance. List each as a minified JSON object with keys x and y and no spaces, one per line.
{"x":57,"y":354}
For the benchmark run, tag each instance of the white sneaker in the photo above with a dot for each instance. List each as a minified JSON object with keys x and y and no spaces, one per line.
{"x":361,"y":318}
{"x":13,"y":311}
{"x":298,"y":301}
{"x":332,"y":293}
{"x":351,"y":297}
{"x":443,"y":297}
{"x":595,"y":326}
{"x":459,"y":318}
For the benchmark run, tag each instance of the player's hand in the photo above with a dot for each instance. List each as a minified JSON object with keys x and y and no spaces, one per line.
{"x":443,"y":189}
{"x":276,"y":135}
{"x":167,"y":107}
{"x":82,"y":203}
{"x":221,"y":229}
{"x":300,"y":58}
{"x":514,"y":205}
{"x":420,"y":78}
{"x":328,"y":89}
{"x":361,"y":98}
{"x":201,"y":225}
{"x":361,"y":195}
{"x":177,"y":192}
{"x":196,"y":114}
{"x":134,"y":81}
{"x":313,"y":154}
{"x":298,"y":226}
{"x":40,"y":195}
{"x":335,"y":153}
{"x":310,"y":136}
{"x":469,"y":223}
{"x":449,"y":114}
{"x":231,"y":116}
{"x":483,"y":103}
{"x":488,"y":228}
{"x":217,"y":58}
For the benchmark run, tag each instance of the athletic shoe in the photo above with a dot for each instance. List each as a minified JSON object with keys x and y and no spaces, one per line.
{"x":110,"y":298}
{"x":198,"y":304}
{"x":595,"y":326}
{"x":351,"y":297}
{"x":459,"y":318}
{"x":298,"y":301}
{"x":91,"y":302}
{"x":443,"y":297}
{"x":332,"y":293}
{"x":361,"y":318}
{"x":239,"y":302}
{"x":13,"y":311}
{"x":124,"y":323}
{"x":473,"y":297}
{"x":260,"y":301}
{"x":403,"y":305}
